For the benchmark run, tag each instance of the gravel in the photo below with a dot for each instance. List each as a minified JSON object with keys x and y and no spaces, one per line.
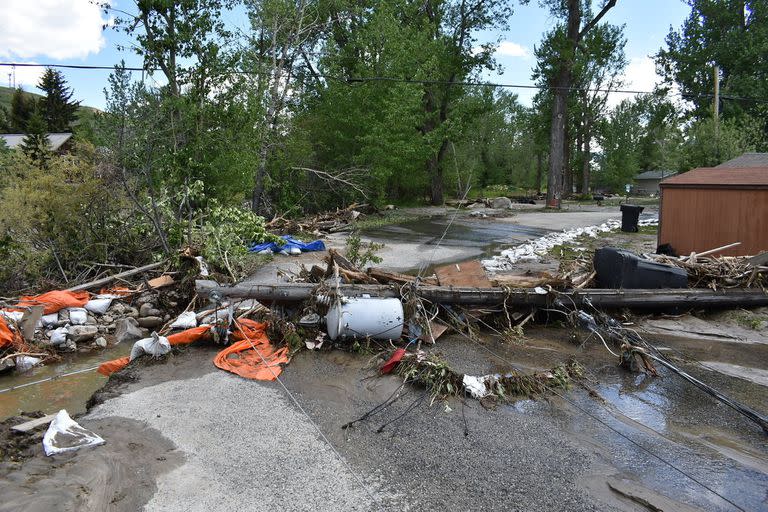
{"x":247,"y":448}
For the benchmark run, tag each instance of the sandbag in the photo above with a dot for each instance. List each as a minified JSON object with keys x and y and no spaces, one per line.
{"x":58,"y":336}
{"x":186,"y":320}
{"x":155,"y":345}
{"x":99,"y":305}
{"x":77,"y":316}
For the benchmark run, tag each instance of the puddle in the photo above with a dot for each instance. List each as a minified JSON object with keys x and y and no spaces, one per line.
{"x":486,"y":234}
{"x":70,"y":393}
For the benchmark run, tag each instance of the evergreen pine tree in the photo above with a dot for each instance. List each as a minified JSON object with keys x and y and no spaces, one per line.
{"x":22,"y":107}
{"x":57,"y":107}
{"x":36,"y":144}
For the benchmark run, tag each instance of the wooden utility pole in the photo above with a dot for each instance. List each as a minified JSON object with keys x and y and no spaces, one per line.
{"x":716,"y":106}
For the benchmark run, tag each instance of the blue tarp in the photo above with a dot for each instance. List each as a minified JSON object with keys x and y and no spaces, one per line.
{"x":291,"y":246}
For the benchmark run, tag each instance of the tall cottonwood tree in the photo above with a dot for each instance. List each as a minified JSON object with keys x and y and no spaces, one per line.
{"x":566,"y":49}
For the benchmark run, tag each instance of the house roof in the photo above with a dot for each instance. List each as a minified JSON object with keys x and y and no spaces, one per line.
{"x":56,"y":140}
{"x":746,"y":160}
{"x":720,"y":177}
{"x":654,"y":175}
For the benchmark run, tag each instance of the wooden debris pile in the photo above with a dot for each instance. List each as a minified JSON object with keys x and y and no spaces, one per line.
{"x":718,"y":272}
{"x":322,"y":223}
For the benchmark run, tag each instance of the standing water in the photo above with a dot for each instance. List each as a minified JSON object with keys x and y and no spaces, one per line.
{"x":61,"y":392}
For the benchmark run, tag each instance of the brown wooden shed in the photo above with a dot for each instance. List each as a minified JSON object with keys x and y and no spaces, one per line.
{"x":711,"y":207}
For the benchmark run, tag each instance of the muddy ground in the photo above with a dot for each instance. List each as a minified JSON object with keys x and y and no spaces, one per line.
{"x":182,"y":435}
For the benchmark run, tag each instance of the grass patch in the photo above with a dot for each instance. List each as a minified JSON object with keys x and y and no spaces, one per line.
{"x":388,"y":218}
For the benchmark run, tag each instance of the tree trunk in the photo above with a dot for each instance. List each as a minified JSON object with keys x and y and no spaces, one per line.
{"x":585,"y":170}
{"x":539,"y":171}
{"x":435,"y":169}
{"x":561,"y":85}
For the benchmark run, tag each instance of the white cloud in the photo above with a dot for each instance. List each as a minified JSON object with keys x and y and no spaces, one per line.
{"x":26,"y":77}
{"x":640,"y":75}
{"x":510,"y":49}
{"x":57,"y":29}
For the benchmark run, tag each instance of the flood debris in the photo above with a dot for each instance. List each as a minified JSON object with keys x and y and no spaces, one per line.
{"x":65,"y":435}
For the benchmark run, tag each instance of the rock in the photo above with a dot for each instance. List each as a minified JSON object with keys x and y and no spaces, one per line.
{"x":150,"y":321}
{"x":107,"y":319}
{"x":146,"y":308}
{"x":131,"y":312}
{"x":102,"y":329}
{"x":101,"y":342}
{"x":474,"y":206}
{"x":501,"y":203}
{"x":118,"y":308}
{"x":68,"y":346}
{"x":144,"y":299}
{"x":80,"y":333}
{"x":390,"y":207}
{"x":91,"y":320}
{"x":127,"y":330}
{"x":154,"y":312}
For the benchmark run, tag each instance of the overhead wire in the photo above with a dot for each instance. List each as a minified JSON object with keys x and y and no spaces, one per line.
{"x":369,"y":79}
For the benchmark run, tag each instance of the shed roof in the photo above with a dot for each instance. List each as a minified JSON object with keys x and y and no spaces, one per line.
{"x":720,"y":177}
{"x":746,"y":160}
{"x":56,"y":140}
{"x":654,"y":175}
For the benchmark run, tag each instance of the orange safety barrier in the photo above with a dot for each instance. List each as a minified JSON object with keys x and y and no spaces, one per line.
{"x":113,"y":366}
{"x":240,"y":358}
{"x":55,"y":300}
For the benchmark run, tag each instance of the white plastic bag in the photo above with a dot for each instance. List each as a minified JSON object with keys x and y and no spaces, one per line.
{"x":98,"y":306}
{"x":78,"y":316}
{"x":475,"y":386}
{"x":65,"y":435}
{"x":156,"y":345}
{"x":186,"y":320}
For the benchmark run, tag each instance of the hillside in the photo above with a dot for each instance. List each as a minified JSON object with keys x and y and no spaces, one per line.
{"x":84,"y":113}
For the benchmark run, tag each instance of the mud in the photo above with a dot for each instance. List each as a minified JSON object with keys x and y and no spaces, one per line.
{"x":119,"y":475}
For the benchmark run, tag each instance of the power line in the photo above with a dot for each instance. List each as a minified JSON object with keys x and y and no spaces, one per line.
{"x":370,"y":79}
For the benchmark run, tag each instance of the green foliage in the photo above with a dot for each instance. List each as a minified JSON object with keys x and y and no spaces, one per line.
{"x":22,"y":108}
{"x":36,"y":144}
{"x":57,"y":107}
{"x":360,"y":253}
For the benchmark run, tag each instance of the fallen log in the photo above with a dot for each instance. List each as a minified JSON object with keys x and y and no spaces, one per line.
{"x":387,"y":276}
{"x":600,"y":298}
{"x":106,"y":280}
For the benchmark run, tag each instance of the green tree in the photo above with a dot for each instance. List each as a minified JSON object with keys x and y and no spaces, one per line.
{"x":36,"y":144}
{"x":565,"y":49}
{"x":57,"y":107}
{"x":731,"y":34}
{"x":22,"y":108}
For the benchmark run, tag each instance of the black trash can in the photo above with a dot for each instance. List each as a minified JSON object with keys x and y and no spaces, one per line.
{"x":630,"y":215}
{"x":617,"y":268}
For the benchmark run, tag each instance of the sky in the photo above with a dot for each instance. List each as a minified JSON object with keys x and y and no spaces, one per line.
{"x":71,"y":32}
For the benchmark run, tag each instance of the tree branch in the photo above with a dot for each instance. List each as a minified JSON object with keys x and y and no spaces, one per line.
{"x":589,"y":26}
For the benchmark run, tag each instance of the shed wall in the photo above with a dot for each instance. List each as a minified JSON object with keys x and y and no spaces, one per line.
{"x":696,"y":219}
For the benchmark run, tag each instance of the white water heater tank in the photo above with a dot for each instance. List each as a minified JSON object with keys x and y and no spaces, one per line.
{"x":363,"y":317}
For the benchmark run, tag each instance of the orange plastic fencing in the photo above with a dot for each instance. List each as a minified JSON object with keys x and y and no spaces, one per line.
{"x":240,"y":358}
{"x":55,"y":300}
{"x":11,"y":338}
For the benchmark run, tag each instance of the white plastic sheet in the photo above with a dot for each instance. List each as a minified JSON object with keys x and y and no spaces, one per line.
{"x":25,"y":363}
{"x":65,"y":435}
{"x":475,"y":386}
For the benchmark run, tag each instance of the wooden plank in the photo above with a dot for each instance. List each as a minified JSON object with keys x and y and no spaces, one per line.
{"x":638,"y":299}
{"x":527,"y":280}
{"x":387,"y":276}
{"x":467,"y":273}
{"x":30,"y":425}
{"x":106,"y":280}
{"x":160,"y":282}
